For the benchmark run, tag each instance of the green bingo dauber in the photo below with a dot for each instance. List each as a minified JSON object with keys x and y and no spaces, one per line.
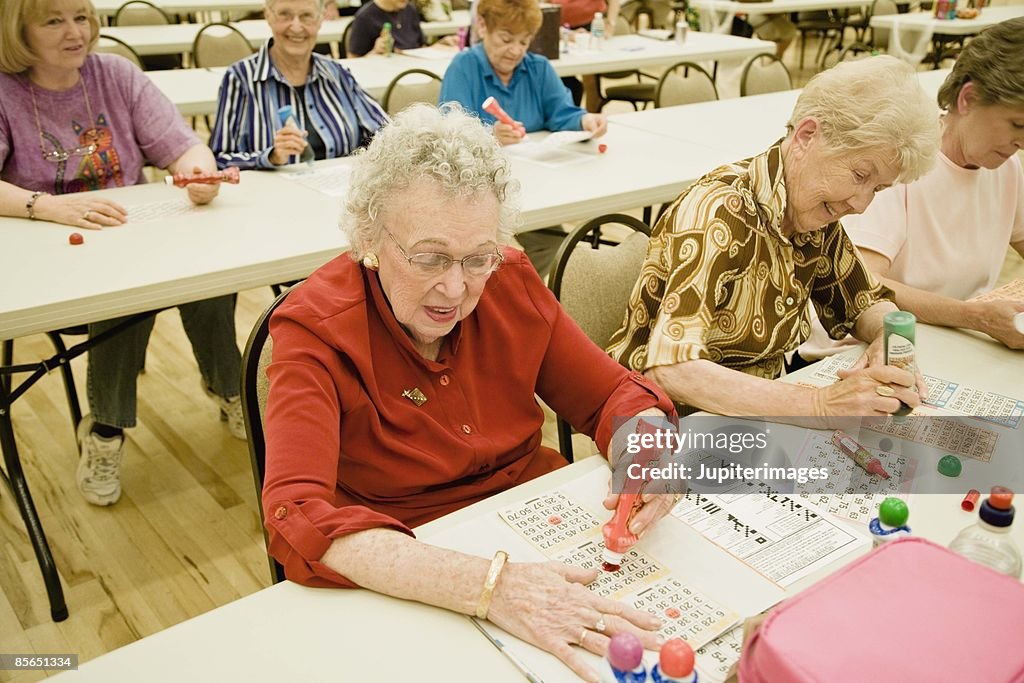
{"x":900,"y":329}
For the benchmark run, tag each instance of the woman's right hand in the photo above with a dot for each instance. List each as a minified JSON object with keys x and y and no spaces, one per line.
{"x":288,"y":141}
{"x":861,"y":393}
{"x":508,"y":134}
{"x":547,"y":604}
{"x":81,"y":209}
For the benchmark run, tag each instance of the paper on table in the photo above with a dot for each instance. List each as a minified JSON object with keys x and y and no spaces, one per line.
{"x":952,"y":397}
{"x":152,"y":211}
{"x":434,"y":53}
{"x":553,"y":154}
{"x":777,"y":535}
{"x":1011,"y":291}
{"x":332,"y":181}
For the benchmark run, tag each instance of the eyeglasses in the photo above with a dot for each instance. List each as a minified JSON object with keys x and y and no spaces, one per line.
{"x":433,"y":263}
{"x":305,"y":18}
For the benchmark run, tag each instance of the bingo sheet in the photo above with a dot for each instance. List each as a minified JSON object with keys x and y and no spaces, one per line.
{"x":860,"y":492}
{"x":780,"y":536}
{"x":564,"y":531}
{"x":715,"y":659}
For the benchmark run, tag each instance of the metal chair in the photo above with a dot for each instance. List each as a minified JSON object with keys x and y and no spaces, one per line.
{"x":829,"y":25}
{"x":142,"y":13}
{"x":684,"y":83}
{"x":219,"y":44}
{"x":409,"y":87}
{"x":639,"y":93}
{"x":593,"y":282}
{"x":255,"y":387}
{"x":764,"y":74}
{"x":115,"y":46}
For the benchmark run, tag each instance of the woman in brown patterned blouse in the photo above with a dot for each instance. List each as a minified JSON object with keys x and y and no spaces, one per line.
{"x":732,"y":265}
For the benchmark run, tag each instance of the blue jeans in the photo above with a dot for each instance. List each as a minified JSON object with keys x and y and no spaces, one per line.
{"x":114,"y":365}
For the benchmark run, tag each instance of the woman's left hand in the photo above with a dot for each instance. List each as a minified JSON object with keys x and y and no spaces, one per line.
{"x":595,"y":123}
{"x":202,"y":193}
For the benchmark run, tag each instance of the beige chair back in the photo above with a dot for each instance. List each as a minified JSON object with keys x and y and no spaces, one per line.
{"x":140,"y":13}
{"x":219,"y":44}
{"x":409,"y":87}
{"x":593,"y":279}
{"x":684,"y":83}
{"x":113,"y":46}
{"x":764,"y":74}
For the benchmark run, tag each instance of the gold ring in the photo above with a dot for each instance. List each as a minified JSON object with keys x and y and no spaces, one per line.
{"x":600,"y":626}
{"x":583,"y":635}
{"x":85,"y":216}
{"x":885,"y":390}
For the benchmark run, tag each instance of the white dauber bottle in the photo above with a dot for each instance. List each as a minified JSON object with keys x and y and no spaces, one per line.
{"x":988,"y":542}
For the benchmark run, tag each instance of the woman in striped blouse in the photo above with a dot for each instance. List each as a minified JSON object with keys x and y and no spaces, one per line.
{"x":333,"y":116}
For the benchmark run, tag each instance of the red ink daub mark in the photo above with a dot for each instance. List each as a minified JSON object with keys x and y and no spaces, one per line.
{"x":609,"y":567}
{"x":673,"y":613}
{"x":554,"y":519}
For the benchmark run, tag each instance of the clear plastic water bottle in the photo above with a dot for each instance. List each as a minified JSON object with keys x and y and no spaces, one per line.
{"x":988,"y":542}
{"x":597,"y":31}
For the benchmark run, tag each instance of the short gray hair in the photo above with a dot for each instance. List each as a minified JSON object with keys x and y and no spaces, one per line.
{"x":446,"y":146}
{"x":877,"y":105}
{"x":994,"y":62}
{"x":269,"y":4}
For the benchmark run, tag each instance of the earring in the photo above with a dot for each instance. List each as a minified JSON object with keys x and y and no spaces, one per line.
{"x":370,"y":261}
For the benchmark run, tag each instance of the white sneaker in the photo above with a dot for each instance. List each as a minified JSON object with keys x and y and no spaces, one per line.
{"x":230,"y":412}
{"x":99,"y":465}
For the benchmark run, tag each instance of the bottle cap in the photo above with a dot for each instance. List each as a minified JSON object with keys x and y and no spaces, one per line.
{"x":625,"y":652}
{"x":1000,"y":498}
{"x":676,"y":658}
{"x":950,"y":466}
{"x":893,"y":512}
{"x":997,"y":509}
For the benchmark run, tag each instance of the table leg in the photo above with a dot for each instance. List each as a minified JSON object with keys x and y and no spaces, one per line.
{"x":15,"y":480}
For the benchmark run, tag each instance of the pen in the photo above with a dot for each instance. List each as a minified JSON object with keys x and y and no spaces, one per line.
{"x":523,"y":669}
{"x":860,"y":455}
{"x":492,"y":107}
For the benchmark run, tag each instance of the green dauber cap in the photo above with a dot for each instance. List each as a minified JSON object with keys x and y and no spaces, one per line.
{"x":950,"y":466}
{"x":893,"y":512}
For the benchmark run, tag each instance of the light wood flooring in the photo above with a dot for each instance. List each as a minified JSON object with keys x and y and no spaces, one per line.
{"x":185,"y":537}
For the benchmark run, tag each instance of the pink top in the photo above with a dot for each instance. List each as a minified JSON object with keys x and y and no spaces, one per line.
{"x":133,"y":122}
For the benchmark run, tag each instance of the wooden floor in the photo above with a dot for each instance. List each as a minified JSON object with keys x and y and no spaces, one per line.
{"x":184,"y":538}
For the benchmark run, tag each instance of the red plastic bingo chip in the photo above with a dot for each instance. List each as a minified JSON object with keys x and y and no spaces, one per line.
{"x":76,"y":238}
{"x":602,"y":148}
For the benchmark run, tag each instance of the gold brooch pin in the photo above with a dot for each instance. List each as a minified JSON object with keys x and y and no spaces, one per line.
{"x":415,"y":395}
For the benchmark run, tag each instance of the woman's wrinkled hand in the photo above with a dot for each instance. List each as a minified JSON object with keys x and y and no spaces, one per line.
{"x":873,"y":391}
{"x":81,"y":209}
{"x":653,"y":507}
{"x":508,"y":134}
{"x":548,"y":605}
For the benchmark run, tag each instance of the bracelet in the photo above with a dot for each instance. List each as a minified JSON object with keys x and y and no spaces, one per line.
{"x":483,"y":606}
{"x":31,"y":204}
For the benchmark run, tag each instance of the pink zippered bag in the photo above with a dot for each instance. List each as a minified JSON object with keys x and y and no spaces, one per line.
{"x":908,"y":612}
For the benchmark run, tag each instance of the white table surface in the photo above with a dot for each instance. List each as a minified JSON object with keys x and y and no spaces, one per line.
{"x":732,"y":8}
{"x":951,"y":27}
{"x":290,"y":633}
{"x":110,"y":7}
{"x":238,"y":241}
{"x":194,"y":91}
{"x":742,"y":126}
{"x":178,"y":38}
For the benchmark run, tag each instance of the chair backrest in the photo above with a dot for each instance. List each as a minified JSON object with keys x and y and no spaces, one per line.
{"x":219,"y":44}
{"x":412,"y":85}
{"x":880,"y":36}
{"x":763,"y":74}
{"x":343,"y":43}
{"x":593,"y":283}
{"x":140,"y":13}
{"x":255,"y":387}
{"x":115,"y":46}
{"x":684,"y":83}
{"x":910,"y":43}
